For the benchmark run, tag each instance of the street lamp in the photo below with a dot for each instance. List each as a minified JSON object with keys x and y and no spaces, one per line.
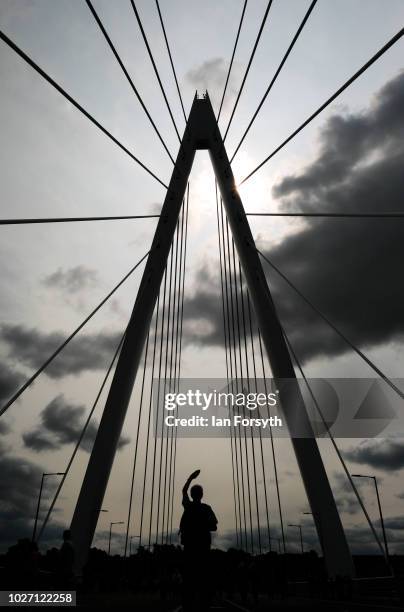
{"x":130,"y":542}
{"x":110,"y":532}
{"x":386,"y":548}
{"x":301,"y":535}
{"x":319,"y":527}
{"x":44,"y":475}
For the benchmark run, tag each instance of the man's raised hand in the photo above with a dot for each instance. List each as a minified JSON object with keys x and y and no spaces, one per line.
{"x":194,"y":474}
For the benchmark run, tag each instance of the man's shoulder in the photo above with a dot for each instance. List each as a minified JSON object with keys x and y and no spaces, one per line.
{"x":207,"y":508}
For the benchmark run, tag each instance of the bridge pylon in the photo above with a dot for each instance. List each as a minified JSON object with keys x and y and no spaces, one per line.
{"x":202,"y":132}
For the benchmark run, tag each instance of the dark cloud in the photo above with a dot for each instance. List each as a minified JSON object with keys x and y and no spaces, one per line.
{"x":10,"y":380}
{"x":394,"y":523}
{"x":72,"y":280}
{"x":349,"y":268}
{"x":31,"y":348}
{"x":19,"y":486}
{"x":344,"y":495}
{"x":203,"y":316}
{"x":384,"y":454}
{"x":62,"y":423}
{"x":211,"y":76}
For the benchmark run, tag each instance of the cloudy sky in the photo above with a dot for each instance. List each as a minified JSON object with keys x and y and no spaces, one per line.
{"x":55,"y":163}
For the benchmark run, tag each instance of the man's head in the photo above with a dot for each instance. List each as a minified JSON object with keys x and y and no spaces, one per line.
{"x":196,"y":493}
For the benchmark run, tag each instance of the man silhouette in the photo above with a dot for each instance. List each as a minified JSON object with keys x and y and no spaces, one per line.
{"x":197,"y":522}
{"x":198,"y":519}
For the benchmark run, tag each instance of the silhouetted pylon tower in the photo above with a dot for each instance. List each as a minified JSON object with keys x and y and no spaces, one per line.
{"x":202,"y":132}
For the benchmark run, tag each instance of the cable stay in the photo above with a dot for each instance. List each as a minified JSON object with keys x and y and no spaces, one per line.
{"x":72,"y":219}
{"x":248,"y":67}
{"x":142,"y":505}
{"x":331,"y":99}
{"x":146,"y":42}
{"x":171,"y":59}
{"x":232,"y":59}
{"x":338,"y":331}
{"x":381,"y":215}
{"x":228,"y":366}
{"x":274,"y":78}
{"x":128,"y":77}
{"x":76,"y":104}
{"x":80,"y":439}
{"x":21,"y":390}
{"x":340,"y":457}
{"x":136,"y":445}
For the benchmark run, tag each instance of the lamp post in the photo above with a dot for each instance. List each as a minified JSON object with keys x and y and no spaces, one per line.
{"x":130,"y":543}
{"x":386,"y":548}
{"x":320,"y":528}
{"x":44,"y":475}
{"x":110,"y":533}
{"x":301,"y":534}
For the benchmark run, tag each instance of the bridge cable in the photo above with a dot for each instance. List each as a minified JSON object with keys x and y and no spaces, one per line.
{"x":74,"y":102}
{"x":173,"y":383}
{"x":66,"y":342}
{"x":180,"y":354}
{"x":236,"y":378}
{"x":170,"y":384}
{"x":332,"y":215}
{"x":264,"y":476}
{"x":248,"y":67}
{"x":347,"y":83}
{"x":231,"y":60}
{"x":149,"y":418}
{"x":232,"y":375}
{"x":239,"y":335}
{"x":171,"y":59}
{"x":128,"y":77}
{"x":176,"y":380}
{"x":154,"y":67}
{"x":136,"y":445}
{"x":228,"y":364}
{"x":325,"y":424}
{"x":160,"y":407}
{"x":243,"y":313}
{"x":338,"y":331}
{"x":274,"y":460}
{"x":157,"y":411}
{"x":232,"y":289}
{"x":237,"y":353}
{"x":80,"y":439}
{"x":163,"y":427}
{"x":278,"y":70}
{"x":229,"y":373}
{"x":72,"y":219}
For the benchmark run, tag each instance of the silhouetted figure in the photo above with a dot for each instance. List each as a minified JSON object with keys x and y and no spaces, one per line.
{"x":197,"y":522}
{"x":66,"y":560}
